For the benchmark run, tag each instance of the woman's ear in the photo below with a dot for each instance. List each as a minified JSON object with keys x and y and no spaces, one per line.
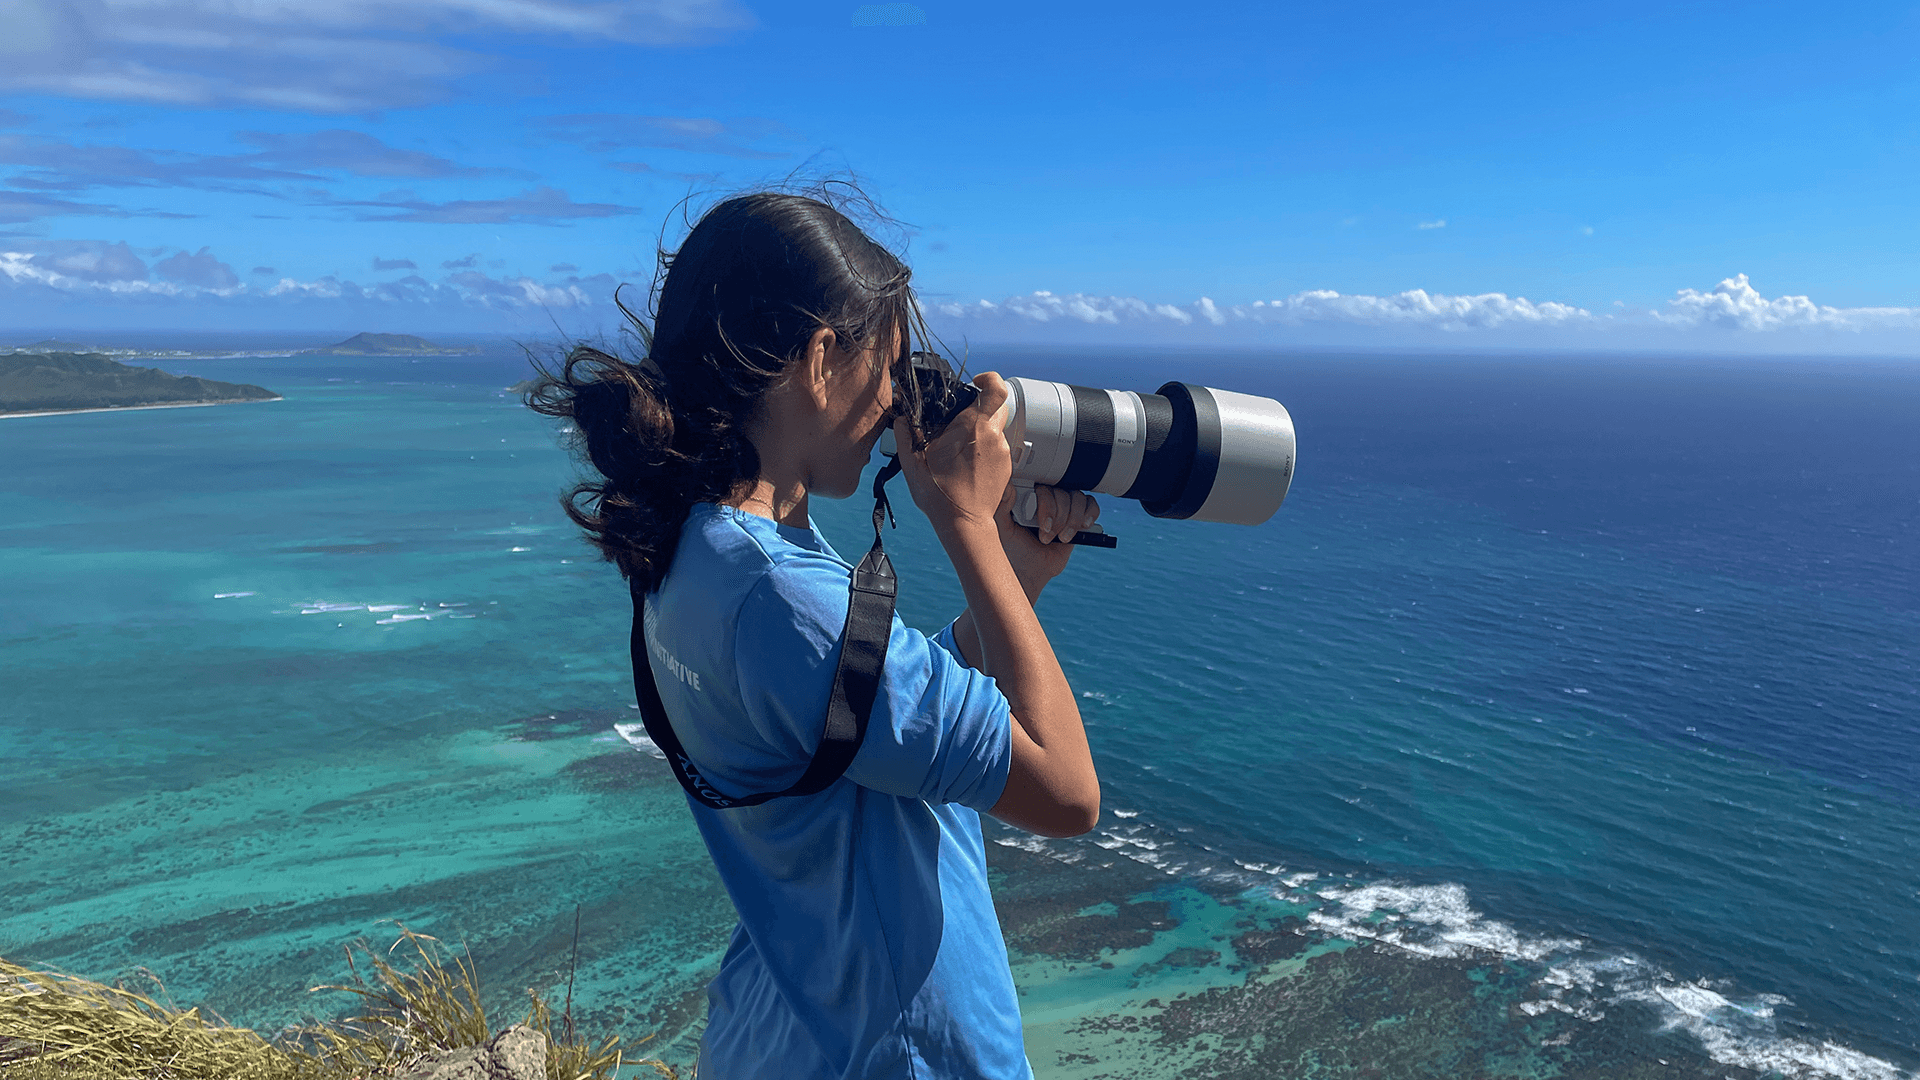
{"x":816,"y":365}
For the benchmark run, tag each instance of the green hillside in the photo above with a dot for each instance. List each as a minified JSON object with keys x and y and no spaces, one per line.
{"x":392,"y":345}
{"x":50,"y":382}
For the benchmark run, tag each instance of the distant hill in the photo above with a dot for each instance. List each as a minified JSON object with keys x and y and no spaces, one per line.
{"x":393,"y":345}
{"x":58,"y":381}
{"x":50,"y":345}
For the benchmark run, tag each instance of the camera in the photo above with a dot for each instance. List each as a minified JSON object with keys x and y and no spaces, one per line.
{"x":1184,"y":451}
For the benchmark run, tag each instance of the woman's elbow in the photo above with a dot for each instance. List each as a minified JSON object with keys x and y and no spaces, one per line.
{"x":1071,"y":824}
{"x":1053,"y":795}
{"x":1069,"y":817}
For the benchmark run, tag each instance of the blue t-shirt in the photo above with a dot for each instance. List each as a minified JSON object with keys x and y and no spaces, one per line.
{"x":867,"y":945}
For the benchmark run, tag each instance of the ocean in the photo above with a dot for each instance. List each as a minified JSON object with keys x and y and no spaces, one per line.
{"x":1565,"y":721}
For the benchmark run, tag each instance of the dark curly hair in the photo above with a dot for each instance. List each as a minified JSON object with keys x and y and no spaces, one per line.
{"x":755,"y":278}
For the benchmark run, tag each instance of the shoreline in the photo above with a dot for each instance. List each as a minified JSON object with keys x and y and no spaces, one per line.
{"x":137,"y":408}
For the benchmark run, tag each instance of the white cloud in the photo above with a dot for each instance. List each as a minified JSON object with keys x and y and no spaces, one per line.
{"x":469,"y":288}
{"x":521,"y":291}
{"x":99,"y":277}
{"x":1438,"y":223}
{"x":93,"y":261}
{"x":24,"y":268}
{"x":332,"y":56}
{"x":1733,"y":311}
{"x":1736,"y":304}
{"x":199,"y":269}
{"x":1046,"y":307}
{"x":102,"y":271}
{"x":1416,"y":307}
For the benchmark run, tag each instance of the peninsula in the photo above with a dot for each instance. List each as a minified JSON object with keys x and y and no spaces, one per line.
{"x":56,"y":382}
{"x":392,"y":345}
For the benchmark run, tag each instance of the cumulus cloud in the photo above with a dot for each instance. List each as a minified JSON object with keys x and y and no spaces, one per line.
{"x":88,"y":266}
{"x":1736,"y":304}
{"x":34,"y":271}
{"x":470,"y":288}
{"x":1416,"y":307}
{"x":611,"y":132}
{"x":199,"y":269}
{"x":534,"y":206}
{"x":339,"y":56}
{"x":92,"y":261}
{"x":519,"y":292}
{"x":1732,"y":315}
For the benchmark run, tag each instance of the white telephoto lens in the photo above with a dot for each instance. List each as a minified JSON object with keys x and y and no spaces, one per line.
{"x":1186,"y":452}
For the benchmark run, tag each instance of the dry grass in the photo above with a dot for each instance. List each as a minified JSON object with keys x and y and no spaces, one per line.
{"x":61,"y":1026}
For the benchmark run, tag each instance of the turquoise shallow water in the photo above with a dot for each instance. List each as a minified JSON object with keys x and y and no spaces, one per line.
{"x":1602,"y":667}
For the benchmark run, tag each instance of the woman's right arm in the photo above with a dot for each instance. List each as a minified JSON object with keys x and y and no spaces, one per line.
{"x":958,"y":482}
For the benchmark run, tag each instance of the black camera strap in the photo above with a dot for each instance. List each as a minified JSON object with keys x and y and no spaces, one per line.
{"x":856,"y":680}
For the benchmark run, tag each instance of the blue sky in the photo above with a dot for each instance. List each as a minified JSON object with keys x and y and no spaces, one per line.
{"x":1442,"y":174}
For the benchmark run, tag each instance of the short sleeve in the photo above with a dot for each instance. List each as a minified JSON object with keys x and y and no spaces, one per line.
{"x":939,"y":730}
{"x":947,"y":641}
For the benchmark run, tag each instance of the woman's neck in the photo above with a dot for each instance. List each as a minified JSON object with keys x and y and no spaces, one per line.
{"x":783,"y":501}
{"x":786,"y":428}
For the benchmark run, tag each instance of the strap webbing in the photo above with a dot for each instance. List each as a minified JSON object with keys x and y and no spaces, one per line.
{"x":856,"y":680}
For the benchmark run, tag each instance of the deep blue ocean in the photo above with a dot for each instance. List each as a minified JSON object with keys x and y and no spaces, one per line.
{"x":1609,"y":663}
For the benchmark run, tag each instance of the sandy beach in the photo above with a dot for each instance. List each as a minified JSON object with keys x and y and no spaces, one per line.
{"x":136,"y":408}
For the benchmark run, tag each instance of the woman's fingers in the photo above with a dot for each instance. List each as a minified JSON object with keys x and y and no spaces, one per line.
{"x":1061,"y":514}
{"x":994,"y":393}
{"x":1082,"y":515}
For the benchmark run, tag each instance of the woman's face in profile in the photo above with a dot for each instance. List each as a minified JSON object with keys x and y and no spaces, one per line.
{"x":858,"y":412}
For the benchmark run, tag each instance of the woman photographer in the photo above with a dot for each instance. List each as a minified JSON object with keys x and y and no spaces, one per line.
{"x":867,"y":944}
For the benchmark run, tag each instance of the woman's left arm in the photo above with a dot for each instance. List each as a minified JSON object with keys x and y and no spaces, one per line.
{"x":1036,"y":559}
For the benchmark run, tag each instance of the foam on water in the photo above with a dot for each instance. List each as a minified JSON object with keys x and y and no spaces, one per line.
{"x":636,"y":737}
{"x":1439,"y":921}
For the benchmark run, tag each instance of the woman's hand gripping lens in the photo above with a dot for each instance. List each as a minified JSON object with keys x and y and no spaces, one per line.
{"x":960,"y":479}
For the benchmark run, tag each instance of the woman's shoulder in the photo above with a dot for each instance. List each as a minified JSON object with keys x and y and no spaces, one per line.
{"x":726,"y":552}
{"x":753,"y":542}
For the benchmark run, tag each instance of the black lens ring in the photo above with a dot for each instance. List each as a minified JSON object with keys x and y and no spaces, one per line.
{"x":1196,"y":411}
{"x":1092,"y":439}
{"x":1167,"y":451}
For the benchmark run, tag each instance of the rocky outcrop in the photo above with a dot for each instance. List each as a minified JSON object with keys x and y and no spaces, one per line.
{"x":518,"y":1053}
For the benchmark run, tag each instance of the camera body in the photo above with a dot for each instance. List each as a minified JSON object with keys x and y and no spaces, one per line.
{"x":1185,"y":451}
